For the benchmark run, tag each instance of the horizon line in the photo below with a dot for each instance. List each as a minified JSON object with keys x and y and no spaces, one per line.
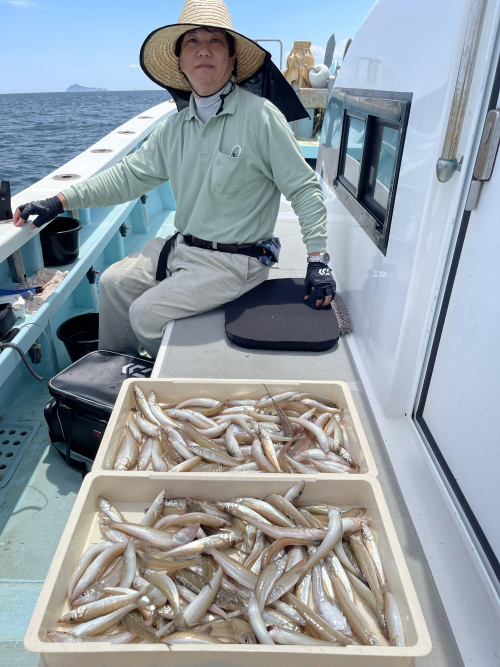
{"x":53,"y":92}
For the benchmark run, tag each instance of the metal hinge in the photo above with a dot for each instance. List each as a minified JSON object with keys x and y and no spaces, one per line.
{"x":486,"y":156}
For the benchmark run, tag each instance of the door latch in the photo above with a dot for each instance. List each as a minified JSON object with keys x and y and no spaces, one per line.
{"x":485,"y":160}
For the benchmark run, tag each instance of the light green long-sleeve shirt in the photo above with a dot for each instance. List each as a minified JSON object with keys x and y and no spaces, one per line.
{"x":219,"y":197}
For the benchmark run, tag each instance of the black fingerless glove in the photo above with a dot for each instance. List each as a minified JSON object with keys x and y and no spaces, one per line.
{"x":319,"y":278}
{"x":45,"y":209}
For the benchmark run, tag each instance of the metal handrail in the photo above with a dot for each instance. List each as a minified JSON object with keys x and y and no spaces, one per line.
{"x":448,"y":164}
{"x":281,"y":47}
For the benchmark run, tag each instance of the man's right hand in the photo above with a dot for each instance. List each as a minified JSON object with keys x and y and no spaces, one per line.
{"x":45,"y":209}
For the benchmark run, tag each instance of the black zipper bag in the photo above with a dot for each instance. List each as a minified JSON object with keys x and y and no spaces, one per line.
{"x":84,"y":395}
{"x":7,"y":318}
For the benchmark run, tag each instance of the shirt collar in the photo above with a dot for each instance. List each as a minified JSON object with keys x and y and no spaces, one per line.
{"x":230,"y":104}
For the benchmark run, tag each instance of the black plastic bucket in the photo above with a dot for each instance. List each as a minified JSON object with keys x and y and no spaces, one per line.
{"x":61,"y":241}
{"x":80,"y":335}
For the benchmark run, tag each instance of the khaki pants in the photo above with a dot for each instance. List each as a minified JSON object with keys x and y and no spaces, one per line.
{"x":134,"y":307}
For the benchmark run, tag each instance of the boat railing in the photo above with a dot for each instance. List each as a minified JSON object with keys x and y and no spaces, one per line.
{"x":105,"y":153}
{"x":448,"y":163}
{"x":103,"y":238}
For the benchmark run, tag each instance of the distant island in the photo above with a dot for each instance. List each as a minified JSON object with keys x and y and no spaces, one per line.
{"x":75,"y":88}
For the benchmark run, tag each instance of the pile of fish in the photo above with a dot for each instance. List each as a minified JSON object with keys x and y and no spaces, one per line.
{"x":247,"y":571}
{"x":291,"y":432}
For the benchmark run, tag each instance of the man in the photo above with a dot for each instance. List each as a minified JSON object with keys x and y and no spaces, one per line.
{"x":228,"y":155}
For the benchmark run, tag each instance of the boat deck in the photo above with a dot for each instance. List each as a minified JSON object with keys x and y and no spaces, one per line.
{"x":36,"y":503}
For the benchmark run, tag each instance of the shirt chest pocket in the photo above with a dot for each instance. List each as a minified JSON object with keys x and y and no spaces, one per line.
{"x":228,"y":173}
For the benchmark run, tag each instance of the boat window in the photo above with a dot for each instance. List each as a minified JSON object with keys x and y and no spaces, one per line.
{"x":360,"y":154}
{"x":381,"y":168}
{"x":354,"y":149}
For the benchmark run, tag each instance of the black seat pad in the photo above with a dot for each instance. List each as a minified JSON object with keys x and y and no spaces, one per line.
{"x":274,"y":316}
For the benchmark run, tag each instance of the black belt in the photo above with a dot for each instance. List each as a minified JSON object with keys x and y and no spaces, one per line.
{"x":249,"y":249}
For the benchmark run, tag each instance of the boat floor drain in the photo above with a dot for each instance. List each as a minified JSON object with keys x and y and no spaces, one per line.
{"x":15,"y":438}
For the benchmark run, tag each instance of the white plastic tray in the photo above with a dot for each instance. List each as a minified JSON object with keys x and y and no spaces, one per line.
{"x":177,"y":390}
{"x":132,"y":494}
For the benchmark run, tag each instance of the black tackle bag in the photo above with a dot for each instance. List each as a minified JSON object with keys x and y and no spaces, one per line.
{"x":84,"y":395}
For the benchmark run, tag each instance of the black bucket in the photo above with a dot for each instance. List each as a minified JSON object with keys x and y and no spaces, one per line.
{"x":80,"y":335}
{"x":61,"y":241}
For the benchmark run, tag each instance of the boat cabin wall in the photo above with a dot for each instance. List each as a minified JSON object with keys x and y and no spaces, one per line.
{"x":403,"y":47}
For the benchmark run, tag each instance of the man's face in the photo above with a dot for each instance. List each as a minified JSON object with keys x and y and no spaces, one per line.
{"x":205,"y":59}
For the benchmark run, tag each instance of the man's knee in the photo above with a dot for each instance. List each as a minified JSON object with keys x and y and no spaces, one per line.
{"x":110,"y":279}
{"x":145,"y":322}
{"x":141,"y":318}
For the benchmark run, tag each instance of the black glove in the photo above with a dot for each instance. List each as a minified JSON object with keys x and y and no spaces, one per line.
{"x":46,"y":209}
{"x":319,"y":278}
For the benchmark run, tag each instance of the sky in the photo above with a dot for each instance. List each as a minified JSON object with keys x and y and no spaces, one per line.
{"x":55,"y":43}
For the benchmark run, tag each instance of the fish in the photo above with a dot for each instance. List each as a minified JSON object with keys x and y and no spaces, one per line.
{"x":134,"y":429}
{"x":147,"y":427}
{"x":285,"y":422}
{"x":191,"y":616}
{"x":128,"y":452}
{"x":97,"y":567}
{"x":129,"y":564}
{"x":214,"y":456}
{"x":236,"y":628}
{"x":143,"y":405}
{"x":256,"y":623}
{"x":134,"y":623}
{"x":286,"y":582}
{"x":282,"y":635}
{"x":156,"y":537}
{"x":85,"y":560}
{"x":159,"y":457}
{"x":165,"y":584}
{"x":294,"y":493}
{"x":220,"y":540}
{"x":265,"y":583}
{"x":88,"y":612}
{"x":355,"y":618}
{"x":286,"y":507}
{"x":191,"y":637}
{"x":145,"y":454}
{"x":394,"y":621}
{"x":321,"y":627}
{"x":368,"y":569}
{"x":258,"y":456}
{"x":235,"y":570}
{"x":98,"y":626}
{"x":371,"y":547}
{"x":332,"y":614}
{"x":266,"y":510}
{"x":332,"y":537}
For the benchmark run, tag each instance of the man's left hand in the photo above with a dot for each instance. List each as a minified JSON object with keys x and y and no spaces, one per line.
{"x":319,"y":278}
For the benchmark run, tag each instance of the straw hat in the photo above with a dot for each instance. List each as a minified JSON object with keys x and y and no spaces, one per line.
{"x":158,"y":59}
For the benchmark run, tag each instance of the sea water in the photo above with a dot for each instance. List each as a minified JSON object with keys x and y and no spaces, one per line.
{"x":40,"y":132}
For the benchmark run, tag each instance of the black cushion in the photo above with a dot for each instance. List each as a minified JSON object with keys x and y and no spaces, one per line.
{"x":274,"y":316}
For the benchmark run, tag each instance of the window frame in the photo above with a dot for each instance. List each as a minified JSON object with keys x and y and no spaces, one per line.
{"x":376,"y":108}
